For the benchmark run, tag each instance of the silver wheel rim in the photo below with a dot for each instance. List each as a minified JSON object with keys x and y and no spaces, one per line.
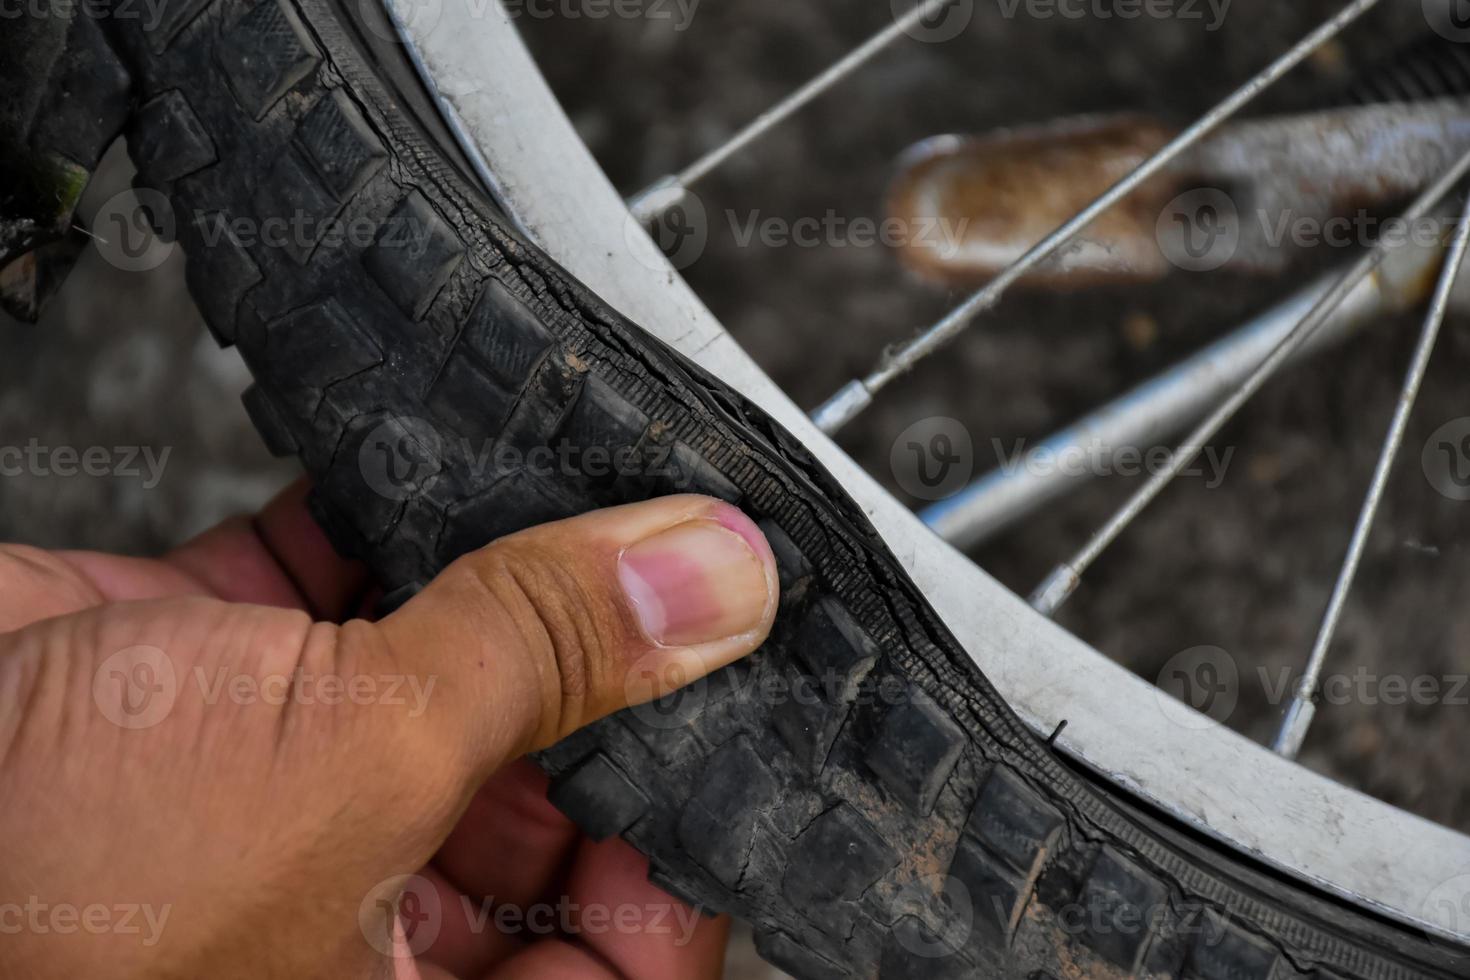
{"x":1239,"y":792}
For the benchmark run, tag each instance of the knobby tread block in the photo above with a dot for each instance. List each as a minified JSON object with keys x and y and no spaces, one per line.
{"x":602,"y":800}
{"x":517,"y":501}
{"x":791,"y":565}
{"x":913,"y":952}
{"x":691,"y":473}
{"x":269,"y":421}
{"x":836,"y":649}
{"x":173,"y":16}
{"x":466,"y":398}
{"x":605,"y":429}
{"x":264,"y":54}
{"x":505,"y":336}
{"x":915,"y":751}
{"x":341,"y":147}
{"x":996,"y":893}
{"x":413,"y":256}
{"x":795,"y":957}
{"x":668,"y":727}
{"x":807,"y":722}
{"x":319,"y":345}
{"x":702,"y":903}
{"x":1224,"y":952}
{"x":719,"y":824}
{"x":383,"y":462}
{"x":168,"y":141}
{"x":293,"y":198}
{"x":1120,"y":902}
{"x":1013,"y":822}
{"x":667,"y":739}
{"x":813,"y":877}
{"x":219,"y":272}
{"x":418,"y":375}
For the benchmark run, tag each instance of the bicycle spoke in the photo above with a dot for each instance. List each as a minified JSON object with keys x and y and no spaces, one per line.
{"x":1300,"y":712}
{"x":1063,"y":580}
{"x":852,"y":398}
{"x":667,"y":191}
{"x":1159,"y":407}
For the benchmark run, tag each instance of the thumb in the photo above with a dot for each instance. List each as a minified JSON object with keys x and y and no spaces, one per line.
{"x":550,"y":629}
{"x":534,"y":636}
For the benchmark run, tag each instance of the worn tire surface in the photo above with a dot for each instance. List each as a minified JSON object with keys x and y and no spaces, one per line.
{"x":856,"y":789}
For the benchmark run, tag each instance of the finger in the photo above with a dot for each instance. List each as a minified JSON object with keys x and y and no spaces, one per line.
{"x":510,"y":814}
{"x":608,"y":909}
{"x":635,"y":926}
{"x":280,"y":557}
{"x":332,"y":584}
{"x":37,"y":585}
{"x":550,"y":629}
{"x":223,"y":562}
{"x":467,"y":939}
{"x":556,"y":958}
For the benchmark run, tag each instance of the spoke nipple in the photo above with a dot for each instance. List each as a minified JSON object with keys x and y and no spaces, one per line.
{"x":843,"y":407}
{"x":1294,"y":725}
{"x":649,"y":204}
{"x":1055,"y":590}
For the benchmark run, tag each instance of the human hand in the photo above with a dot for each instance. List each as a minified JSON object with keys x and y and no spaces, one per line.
{"x":203,"y":775}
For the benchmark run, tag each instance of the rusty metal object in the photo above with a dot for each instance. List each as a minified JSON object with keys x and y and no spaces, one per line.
{"x":1249,"y":198}
{"x":1000,"y":194}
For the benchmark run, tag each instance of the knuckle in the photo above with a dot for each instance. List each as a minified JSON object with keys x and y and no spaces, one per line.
{"x":566,"y":627}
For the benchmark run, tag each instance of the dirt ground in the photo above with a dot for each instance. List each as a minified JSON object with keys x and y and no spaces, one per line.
{"x":122,"y":359}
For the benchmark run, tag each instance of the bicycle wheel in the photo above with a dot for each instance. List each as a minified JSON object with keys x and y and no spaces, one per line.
{"x":857,"y":790}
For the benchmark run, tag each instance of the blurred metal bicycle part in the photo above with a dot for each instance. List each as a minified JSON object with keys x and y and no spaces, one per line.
{"x":1164,"y":405}
{"x":1248,"y":198}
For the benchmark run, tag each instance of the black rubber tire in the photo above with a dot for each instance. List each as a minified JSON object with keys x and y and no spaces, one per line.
{"x":856,"y":789}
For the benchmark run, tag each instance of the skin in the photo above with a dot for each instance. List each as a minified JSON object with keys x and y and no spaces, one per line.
{"x":262,"y":831}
